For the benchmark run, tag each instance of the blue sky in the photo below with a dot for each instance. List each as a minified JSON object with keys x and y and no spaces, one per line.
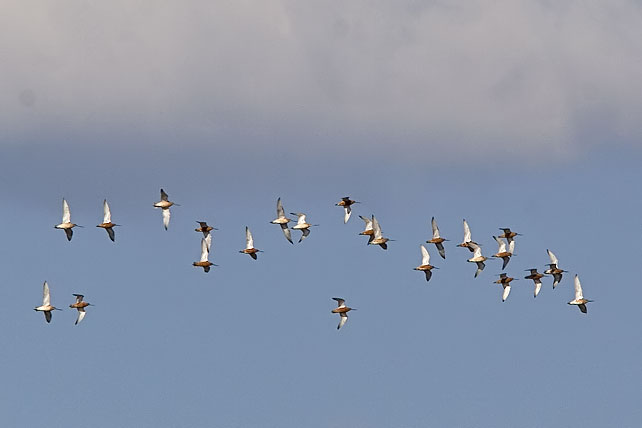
{"x":318,"y":102}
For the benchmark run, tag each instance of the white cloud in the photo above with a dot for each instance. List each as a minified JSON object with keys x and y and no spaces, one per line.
{"x":521,"y":77}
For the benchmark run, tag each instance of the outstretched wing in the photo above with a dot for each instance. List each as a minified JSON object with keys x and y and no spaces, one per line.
{"x":287,"y":233}
{"x":506,"y":259}
{"x":442,"y":250}
{"x":340,"y":302}
{"x":106,"y":212}
{"x":279,"y":209}
{"x":205,"y":251}
{"x":367,"y":221}
{"x":166,"y":216}
{"x":552,"y":257}
{"x":425,"y":256}
{"x":505,"y":293}
{"x":343,"y":320}
{"x":348,"y":212}
{"x":376,"y":228}
{"x":578,"y":289}
{"x":249,"y":241}
{"x":46,"y":296}
{"x":435,"y":229}
{"x":81,"y":315}
{"x":467,"y":235}
{"x":501,"y":244}
{"x":304,"y":234}
{"x":538,"y":286}
{"x":164,"y":195}
{"x":480,"y":267}
{"x":66,"y":214}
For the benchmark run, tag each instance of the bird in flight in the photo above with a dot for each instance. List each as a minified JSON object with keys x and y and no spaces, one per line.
{"x":346,"y":203}
{"x":342,"y":310}
{"x":164,"y":204}
{"x":249,"y":244}
{"x":107,"y":224}
{"x":282,"y":220}
{"x":579,"y":300}
{"x":205,"y":252}
{"x":436,"y":239}
{"x":425,"y":265}
{"x":46,"y":306}
{"x":80,"y":304}
{"x":66,"y":224}
{"x":302,"y":225}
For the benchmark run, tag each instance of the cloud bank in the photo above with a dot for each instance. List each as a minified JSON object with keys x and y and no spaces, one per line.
{"x":504,"y":77}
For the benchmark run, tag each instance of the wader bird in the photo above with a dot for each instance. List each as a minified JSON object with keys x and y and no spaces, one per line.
{"x":537,"y":279}
{"x":477,"y":257}
{"x":46,"y":306}
{"x":553,"y":269}
{"x":205,"y":252}
{"x":302,"y":225}
{"x":80,"y":305}
{"x":205,"y":230}
{"x":66,"y":224}
{"x":425,"y":266}
{"x":164,"y":204}
{"x":502,"y":253}
{"x":505,"y":281}
{"x":342,"y":310}
{"x":378,"y":237}
{"x":346,"y":203}
{"x":467,"y":238}
{"x":282,"y":220}
{"x":107,"y":224}
{"x":579,"y":300}
{"x":249,"y":244}
{"x":508,"y":234}
{"x":436,"y":239}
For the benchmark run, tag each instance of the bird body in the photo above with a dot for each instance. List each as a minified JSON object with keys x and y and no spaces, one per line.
{"x":502,"y":253}
{"x":80,"y":304}
{"x":66,"y":223}
{"x":107,"y":223}
{"x":553,"y":269}
{"x":466,"y":243}
{"x":437,"y":239}
{"x":346,"y":203}
{"x":537,"y":279}
{"x":342,"y":310}
{"x":508,"y":234}
{"x":505,"y":281}
{"x":164,"y":204}
{"x":46,"y":306}
{"x":579,"y":300}
{"x":205,"y":251}
{"x":477,"y":257}
{"x":249,"y":244}
{"x":282,"y":220}
{"x":302,"y":225}
{"x":425,"y":265}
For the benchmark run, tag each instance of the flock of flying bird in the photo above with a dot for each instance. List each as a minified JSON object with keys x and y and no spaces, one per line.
{"x":505,"y":241}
